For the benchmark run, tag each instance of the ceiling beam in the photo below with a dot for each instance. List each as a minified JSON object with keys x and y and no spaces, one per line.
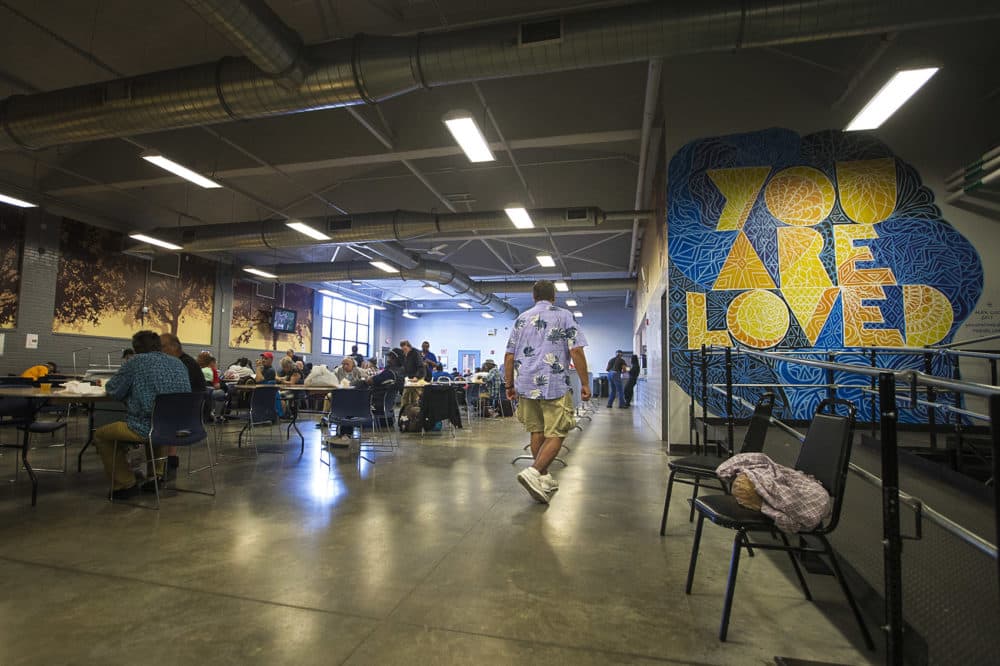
{"x":556,"y":141}
{"x":503,"y":262}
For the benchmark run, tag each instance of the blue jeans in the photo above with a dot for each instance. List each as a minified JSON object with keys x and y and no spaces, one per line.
{"x":615,"y":389}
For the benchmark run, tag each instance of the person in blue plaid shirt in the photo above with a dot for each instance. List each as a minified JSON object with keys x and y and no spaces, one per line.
{"x":543,"y":341}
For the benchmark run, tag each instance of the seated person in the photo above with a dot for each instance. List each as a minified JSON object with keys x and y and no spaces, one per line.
{"x":137,"y":383}
{"x":289,"y":373}
{"x":368,"y":367}
{"x":36,"y":372}
{"x":211,"y":372}
{"x":439,"y":372}
{"x":391,"y":378}
{"x":345,"y":371}
{"x":239,"y":370}
{"x":265,"y":371}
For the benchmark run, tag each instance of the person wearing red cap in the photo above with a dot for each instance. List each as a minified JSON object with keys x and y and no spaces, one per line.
{"x":265,"y":371}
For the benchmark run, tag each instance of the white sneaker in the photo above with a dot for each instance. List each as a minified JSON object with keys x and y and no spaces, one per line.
{"x":549,"y":483}
{"x":532,"y":482}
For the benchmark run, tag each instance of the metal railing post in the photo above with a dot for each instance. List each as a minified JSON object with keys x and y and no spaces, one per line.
{"x":995,"y":441}
{"x":692,"y":426}
{"x":704,"y":397}
{"x":729,"y":400}
{"x":831,"y":391}
{"x":931,"y":397}
{"x":874,"y":386}
{"x":892,"y":543}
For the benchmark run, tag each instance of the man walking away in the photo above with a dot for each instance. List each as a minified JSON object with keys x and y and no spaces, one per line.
{"x":540,"y":347}
{"x":633,"y":377}
{"x":615,"y":389}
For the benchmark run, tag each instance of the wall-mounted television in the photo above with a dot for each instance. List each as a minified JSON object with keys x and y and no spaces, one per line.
{"x":283,"y":320}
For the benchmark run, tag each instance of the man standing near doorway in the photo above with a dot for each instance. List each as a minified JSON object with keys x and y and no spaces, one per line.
{"x":615,"y":368}
{"x":541,"y":344}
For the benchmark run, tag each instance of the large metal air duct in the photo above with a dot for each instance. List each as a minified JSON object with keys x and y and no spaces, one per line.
{"x":372,"y":68}
{"x":451,"y":280}
{"x":396,"y":225}
{"x":575,"y":285}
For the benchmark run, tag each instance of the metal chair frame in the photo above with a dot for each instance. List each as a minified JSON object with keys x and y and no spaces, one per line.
{"x":829,"y":434}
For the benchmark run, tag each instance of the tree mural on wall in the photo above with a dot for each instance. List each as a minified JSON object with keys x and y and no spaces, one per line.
{"x":101,"y":292}
{"x":183,"y":305}
{"x":250,"y":324}
{"x":98,"y":289}
{"x":11,"y":248}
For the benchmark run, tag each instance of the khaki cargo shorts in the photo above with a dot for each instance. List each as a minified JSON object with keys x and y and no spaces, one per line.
{"x":552,"y":418}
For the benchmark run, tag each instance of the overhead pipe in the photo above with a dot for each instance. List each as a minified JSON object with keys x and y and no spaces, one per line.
{"x":449,"y":279}
{"x":382,"y":226}
{"x":371,"y":69}
{"x":593,"y":284}
{"x":652,"y":101}
{"x":253,"y":28}
{"x":986,"y":162}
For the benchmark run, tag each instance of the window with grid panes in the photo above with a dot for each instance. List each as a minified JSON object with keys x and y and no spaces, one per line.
{"x":344,"y":324}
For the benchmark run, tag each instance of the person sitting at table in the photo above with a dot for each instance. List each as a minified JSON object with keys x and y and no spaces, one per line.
{"x":239,"y":370}
{"x":289,"y":373}
{"x":137,"y":383}
{"x":292,"y":356}
{"x":265,"y":370}
{"x":212,"y":378}
{"x":439,"y":372}
{"x":36,"y":372}
{"x":390,"y":378}
{"x":349,"y":371}
{"x":171,"y":346}
{"x":367,"y":368}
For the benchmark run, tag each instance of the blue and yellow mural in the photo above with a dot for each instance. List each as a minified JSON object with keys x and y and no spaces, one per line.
{"x":822,"y":242}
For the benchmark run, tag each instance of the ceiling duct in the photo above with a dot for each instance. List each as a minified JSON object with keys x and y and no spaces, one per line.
{"x":452,"y":281}
{"x":399,"y":225}
{"x":375,"y":68}
{"x":575,"y":285}
{"x":253,"y":28}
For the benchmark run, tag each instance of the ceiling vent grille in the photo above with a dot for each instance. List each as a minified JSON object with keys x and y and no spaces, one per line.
{"x":548,"y":31}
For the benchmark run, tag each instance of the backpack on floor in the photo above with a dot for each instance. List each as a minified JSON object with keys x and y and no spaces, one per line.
{"x":410,"y":419}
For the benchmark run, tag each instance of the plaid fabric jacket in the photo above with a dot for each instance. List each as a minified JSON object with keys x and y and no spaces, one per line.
{"x":795,"y":501}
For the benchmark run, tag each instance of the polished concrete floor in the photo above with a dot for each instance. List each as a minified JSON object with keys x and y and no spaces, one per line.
{"x":433,"y":555}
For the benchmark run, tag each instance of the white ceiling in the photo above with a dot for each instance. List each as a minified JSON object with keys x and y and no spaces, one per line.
{"x":578,"y":131}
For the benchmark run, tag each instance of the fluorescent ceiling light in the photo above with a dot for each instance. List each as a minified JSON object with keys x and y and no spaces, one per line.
{"x":155,"y":241}
{"x":263,"y":274}
{"x":577,"y":313}
{"x":376,"y":306}
{"x":570,"y":303}
{"x":409,"y":315}
{"x":463,"y":304}
{"x":893,"y":95}
{"x":20,"y":203}
{"x":382,"y":266}
{"x":562,"y":286}
{"x":546,"y":260}
{"x":520,"y":218}
{"x":487,"y":315}
{"x":434,"y":290}
{"x":304,"y":228}
{"x":468,"y":135}
{"x":178,"y":170}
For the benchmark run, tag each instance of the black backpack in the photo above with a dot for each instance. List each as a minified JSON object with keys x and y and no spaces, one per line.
{"x":410,"y":419}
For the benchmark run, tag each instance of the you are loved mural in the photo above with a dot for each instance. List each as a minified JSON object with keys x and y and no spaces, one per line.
{"x":823,"y":242}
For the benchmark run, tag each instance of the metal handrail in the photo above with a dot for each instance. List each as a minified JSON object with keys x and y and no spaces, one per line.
{"x":919,"y":506}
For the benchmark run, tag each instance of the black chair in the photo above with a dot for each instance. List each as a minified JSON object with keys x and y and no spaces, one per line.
{"x":263,"y":411}
{"x":825,"y":455}
{"x":177,"y":420}
{"x":19,"y":413}
{"x":349,"y":409}
{"x":695,"y":470}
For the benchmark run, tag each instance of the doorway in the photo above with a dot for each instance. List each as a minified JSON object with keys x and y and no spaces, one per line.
{"x":468,"y":360}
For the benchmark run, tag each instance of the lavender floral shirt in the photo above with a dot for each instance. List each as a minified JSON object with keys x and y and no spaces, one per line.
{"x":540,"y":343}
